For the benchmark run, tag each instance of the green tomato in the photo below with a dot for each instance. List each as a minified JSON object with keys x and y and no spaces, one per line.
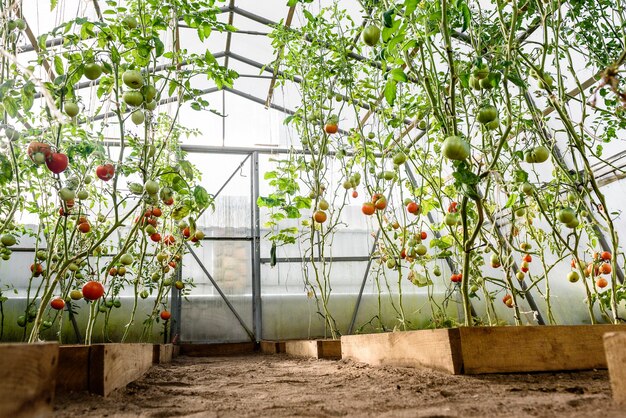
{"x":486,"y":114}
{"x":399,"y":158}
{"x":71,"y":109}
{"x":371,"y":35}
{"x":67,"y":194}
{"x":520,"y":212}
{"x":82,"y":194}
{"x":138,"y":117}
{"x":480,"y":71}
{"x":152,"y":187}
{"x":527,"y":189}
{"x":133,"y":79}
{"x":566,"y":215}
{"x":573,"y":276}
{"x":8,"y":240}
{"x":455,"y":148}
{"x":421,"y":250}
{"x":126,"y":259}
{"x":133,"y":98}
{"x":437,"y":271}
{"x":391,"y":263}
{"x":144,"y":294}
{"x":451,"y":219}
{"x":92,"y":71}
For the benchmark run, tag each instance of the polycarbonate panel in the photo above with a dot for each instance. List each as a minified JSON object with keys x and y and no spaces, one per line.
{"x":205,"y":315}
{"x":232,"y":215}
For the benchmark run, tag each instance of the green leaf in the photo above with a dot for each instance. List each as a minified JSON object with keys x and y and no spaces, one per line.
{"x":201,"y":197}
{"x":187,"y":169}
{"x":390,"y":91}
{"x":6,"y":172}
{"x":399,"y":75}
{"x":409,"y":6}
{"x":180,"y":212}
{"x":58,"y":65}
{"x":467,"y":16}
{"x":516,"y":80}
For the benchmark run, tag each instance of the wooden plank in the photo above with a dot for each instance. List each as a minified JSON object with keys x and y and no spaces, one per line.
{"x":319,"y":349}
{"x":209,"y":350}
{"x":329,"y":349}
{"x":534,"y":348}
{"x":301,"y":348}
{"x":162,"y":353}
{"x":272,"y":347}
{"x":73,"y":370}
{"x":615,"y":348}
{"x":28,"y":375}
{"x":438,"y":349}
{"x":113,"y":366}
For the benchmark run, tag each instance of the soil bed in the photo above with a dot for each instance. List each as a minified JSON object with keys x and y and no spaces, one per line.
{"x":277,"y":385}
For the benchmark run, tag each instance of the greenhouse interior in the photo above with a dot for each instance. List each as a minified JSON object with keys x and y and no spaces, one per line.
{"x":233,"y":208}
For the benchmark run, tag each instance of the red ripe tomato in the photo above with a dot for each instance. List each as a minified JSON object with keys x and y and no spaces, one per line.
{"x":194,"y":239}
{"x":70,"y":203}
{"x":368,"y":208}
{"x":84,"y":227}
{"x":508,"y":300}
{"x":172,"y":264}
{"x":57,"y":304}
{"x":381,"y":203}
{"x":423,"y":235}
{"x":527,"y":258}
{"x":452,"y":208}
{"x":113,"y":271}
{"x":186,"y":232}
{"x":169,"y":240}
{"x":403,"y":253}
{"x":573,"y":263}
{"x":165,"y":315}
{"x":606,"y":256}
{"x":602,"y":283}
{"x":320,"y":216}
{"x":148,"y":213}
{"x":355,"y":194}
{"x":57,"y":163}
{"x":156,"y":237}
{"x":152,"y":221}
{"x":331,"y":128}
{"x":105,"y":172}
{"x":524,"y":269}
{"x":93,"y":290}
{"x":62,"y":212}
{"x":169,"y":202}
{"x":456,"y":278}
{"x":376,"y":196}
{"x":605,"y":268}
{"x":413,"y":208}
{"x":157,"y":212}
{"x":36,"y":269}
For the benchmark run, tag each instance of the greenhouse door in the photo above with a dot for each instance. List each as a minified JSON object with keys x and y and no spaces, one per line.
{"x":224,"y":304}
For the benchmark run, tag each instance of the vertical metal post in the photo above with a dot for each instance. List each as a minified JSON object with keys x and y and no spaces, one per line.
{"x":365,"y":275}
{"x":176,"y":308}
{"x":257,"y":318}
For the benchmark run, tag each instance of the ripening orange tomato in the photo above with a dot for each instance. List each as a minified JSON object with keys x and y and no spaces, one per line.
{"x":606,"y":256}
{"x":605,"y":268}
{"x":601,"y":282}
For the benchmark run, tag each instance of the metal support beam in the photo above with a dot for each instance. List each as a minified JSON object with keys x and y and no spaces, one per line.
{"x":231,"y":176}
{"x":255,"y":247}
{"x":221,"y":293}
{"x":362,"y":288}
{"x":176,"y":308}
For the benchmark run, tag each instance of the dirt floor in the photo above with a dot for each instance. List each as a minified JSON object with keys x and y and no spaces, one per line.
{"x":277,"y":385}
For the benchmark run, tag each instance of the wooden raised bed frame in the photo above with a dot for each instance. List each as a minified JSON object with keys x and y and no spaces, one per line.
{"x":477,"y":350}
{"x":319,"y":349}
{"x":102,"y":368}
{"x":28,"y":374}
{"x":615,"y":345}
